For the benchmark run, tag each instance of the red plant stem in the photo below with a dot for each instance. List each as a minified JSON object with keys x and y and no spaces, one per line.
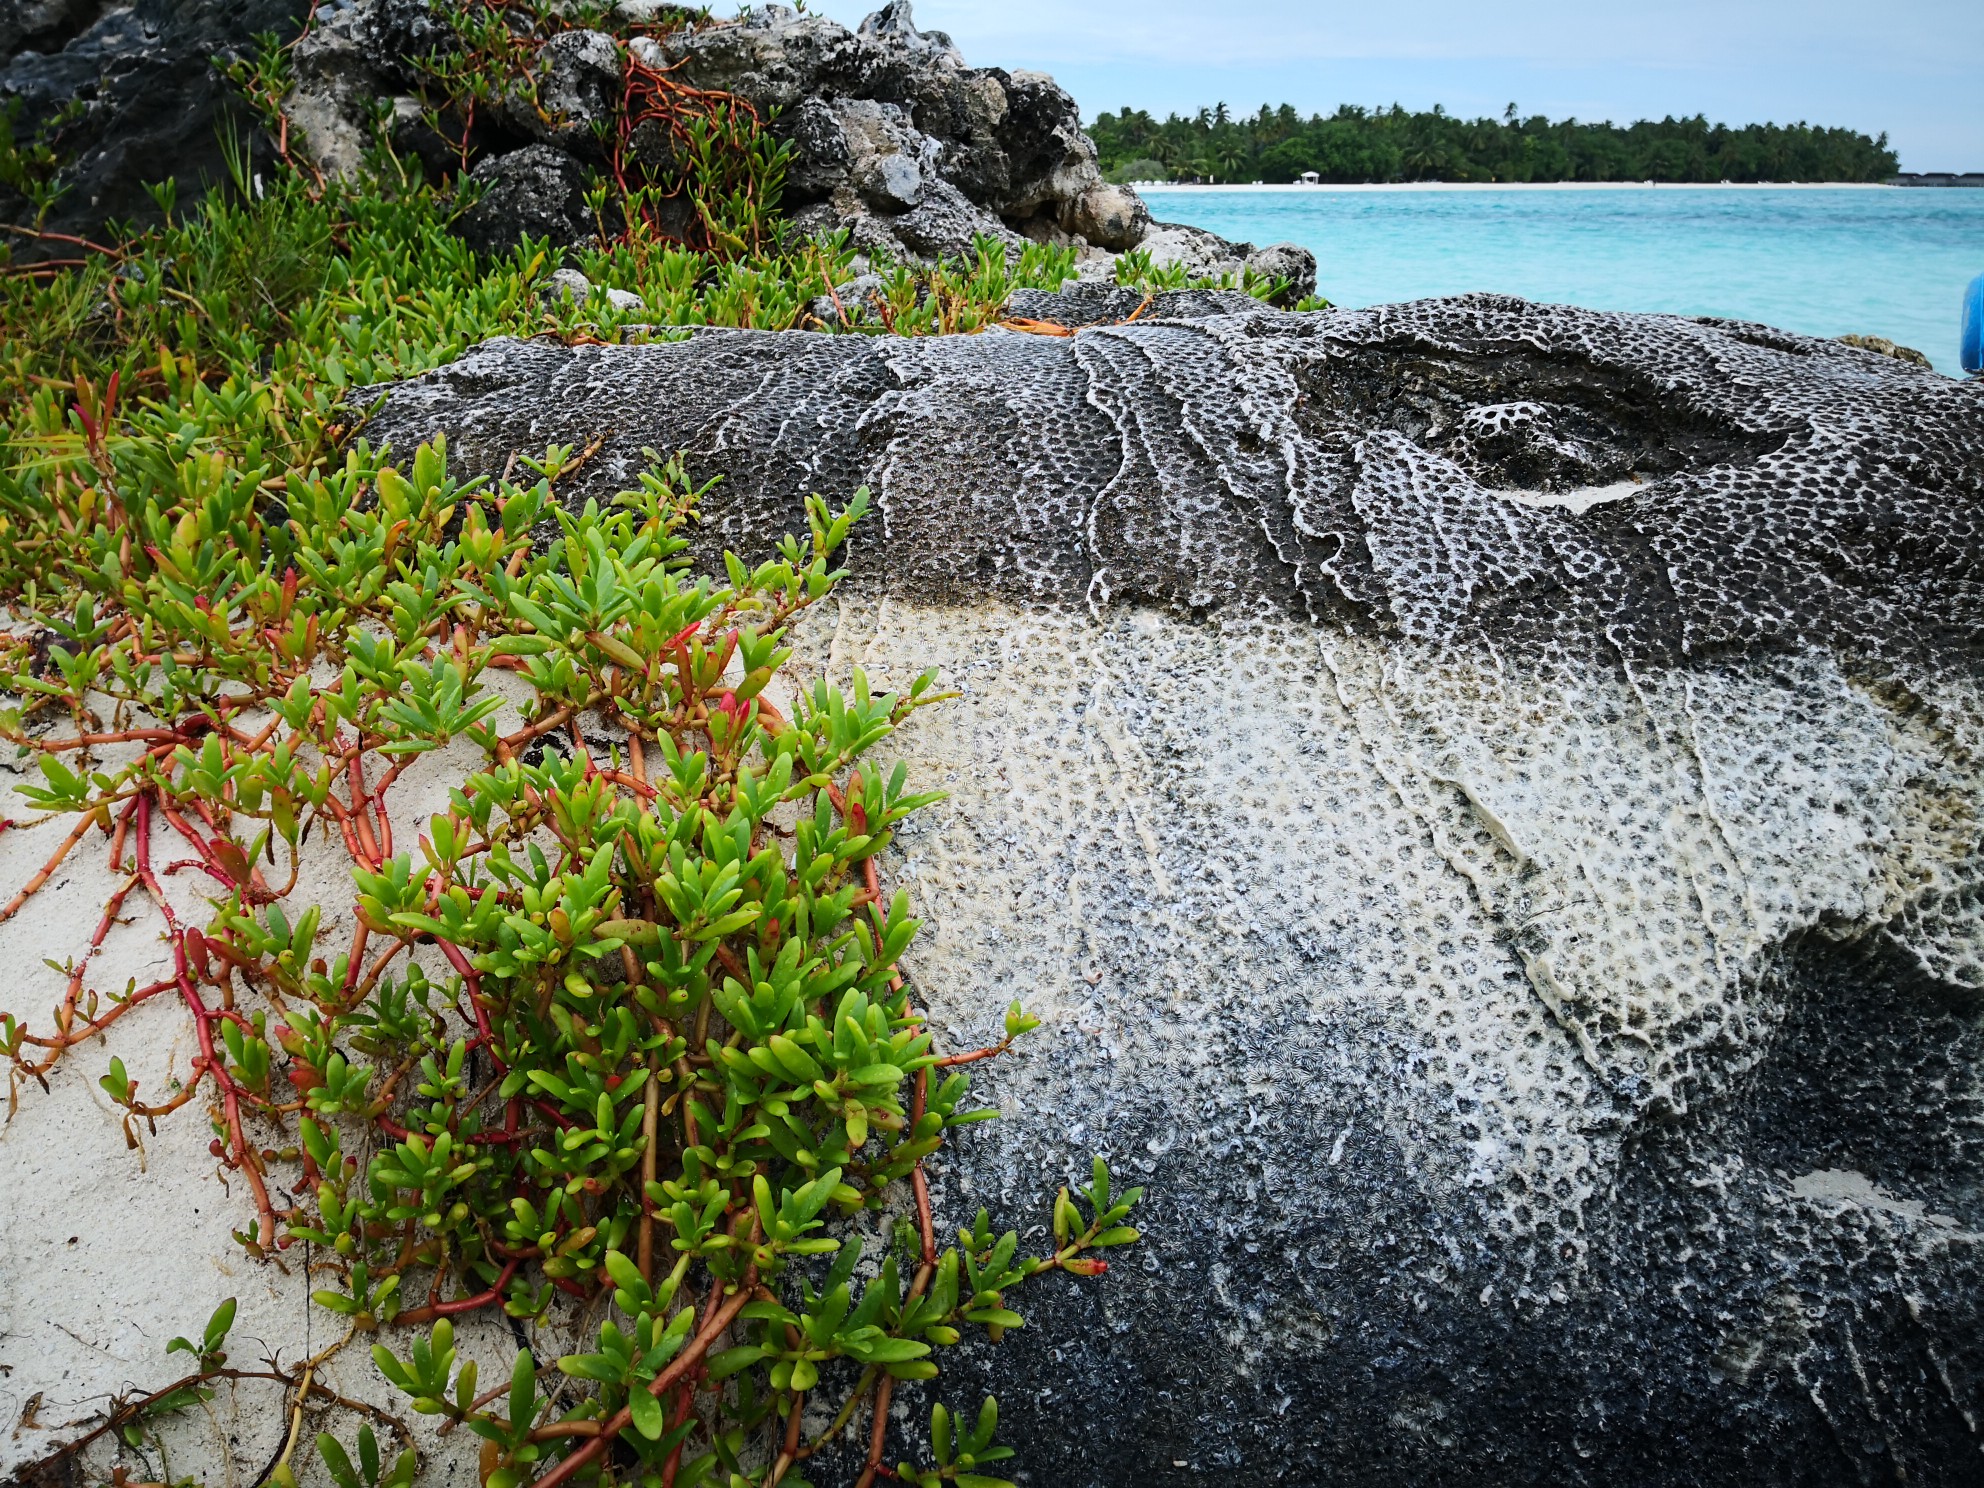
{"x":543,"y":726}
{"x":552,"y":1114}
{"x":206,"y":868}
{"x":109,"y":918}
{"x":209,"y":859}
{"x":621,"y":777}
{"x":47,"y":870}
{"x":685,"y":1396}
{"x":552,"y":1430}
{"x":337,"y":809}
{"x":378,"y":967}
{"x":925,"y":1224}
{"x":460,"y":1305}
{"x":376,"y":800}
{"x":1037,"y":327}
{"x":678,"y":1367}
{"x":123,"y":830}
{"x":203,"y":1021}
{"x":878,"y":1434}
{"x":367,"y":843}
{"x":85,"y":741}
{"x":990,"y":1051}
{"x":47,"y":266}
{"x":794,"y":1421}
{"x":77,"y":1034}
{"x":57,"y":237}
{"x":472,"y":984}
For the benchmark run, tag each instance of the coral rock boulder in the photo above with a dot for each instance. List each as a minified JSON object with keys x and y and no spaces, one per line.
{"x":1486,"y":801}
{"x":128,"y":94}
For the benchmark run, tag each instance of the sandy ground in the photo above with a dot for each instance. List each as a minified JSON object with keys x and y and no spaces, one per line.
{"x":107,"y":1253}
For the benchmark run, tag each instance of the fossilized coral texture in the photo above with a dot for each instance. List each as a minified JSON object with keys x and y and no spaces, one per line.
{"x":1486,"y":797}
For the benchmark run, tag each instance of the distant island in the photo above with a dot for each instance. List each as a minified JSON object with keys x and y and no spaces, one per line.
{"x":1358,"y":144}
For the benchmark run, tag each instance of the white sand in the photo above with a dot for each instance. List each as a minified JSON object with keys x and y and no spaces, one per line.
{"x":1146,"y":188}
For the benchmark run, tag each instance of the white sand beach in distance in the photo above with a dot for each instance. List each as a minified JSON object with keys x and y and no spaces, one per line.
{"x":1304,"y":187}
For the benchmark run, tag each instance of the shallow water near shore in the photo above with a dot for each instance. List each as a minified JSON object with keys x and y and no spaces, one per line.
{"x":1826,"y":261}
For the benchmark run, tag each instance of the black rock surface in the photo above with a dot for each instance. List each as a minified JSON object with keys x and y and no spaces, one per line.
{"x":1783,"y":490}
{"x":894,"y":138}
{"x":537,"y":191}
{"x":152,"y":104}
{"x":1485,"y":798}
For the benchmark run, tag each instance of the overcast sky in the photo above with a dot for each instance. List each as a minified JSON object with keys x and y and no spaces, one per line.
{"x":1914,"y":68}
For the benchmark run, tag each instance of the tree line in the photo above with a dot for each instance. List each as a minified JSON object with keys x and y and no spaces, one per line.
{"x":1358,"y":144}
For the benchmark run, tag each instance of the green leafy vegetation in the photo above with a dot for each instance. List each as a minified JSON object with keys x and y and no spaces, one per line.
{"x":30,"y":159}
{"x":624,"y":1022}
{"x":1391,"y":144}
{"x":621,"y":1034}
{"x":665,"y":143}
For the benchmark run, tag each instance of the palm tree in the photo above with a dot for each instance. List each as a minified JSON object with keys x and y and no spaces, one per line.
{"x":1425,"y":159}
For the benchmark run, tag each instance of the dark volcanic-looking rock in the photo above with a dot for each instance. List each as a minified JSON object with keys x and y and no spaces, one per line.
{"x":152,"y":104}
{"x":43,"y":25}
{"x":578,"y":90}
{"x":894,"y":138}
{"x":1110,"y":304}
{"x":353,"y":57}
{"x":538,"y":190}
{"x":874,"y":113}
{"x":1885,"y":347}
{"x":1206,"y":254}
{"x":1287,"y":261}
{"x":1486,"y":799}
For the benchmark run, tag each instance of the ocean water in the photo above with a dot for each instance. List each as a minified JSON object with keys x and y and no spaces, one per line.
{"x":1884,"y":261}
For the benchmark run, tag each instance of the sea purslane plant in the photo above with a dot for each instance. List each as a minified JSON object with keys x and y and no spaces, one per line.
{"x":624,"y":1023}
{"x":618,"y":1038}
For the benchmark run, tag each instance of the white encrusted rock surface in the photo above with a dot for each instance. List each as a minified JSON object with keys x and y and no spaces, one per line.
{"x":1487,"y":798}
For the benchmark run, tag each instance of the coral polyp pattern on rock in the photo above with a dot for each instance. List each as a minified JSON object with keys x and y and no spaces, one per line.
{"x":1485,"y":799}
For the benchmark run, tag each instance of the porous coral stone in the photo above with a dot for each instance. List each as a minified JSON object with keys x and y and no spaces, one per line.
{"x":1484,"y":798}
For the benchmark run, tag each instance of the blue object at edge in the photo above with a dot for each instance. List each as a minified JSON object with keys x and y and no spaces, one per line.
{"x":1973,"y":326}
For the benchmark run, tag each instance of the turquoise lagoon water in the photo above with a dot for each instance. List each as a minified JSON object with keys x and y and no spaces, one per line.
{"x":1884,"y":261}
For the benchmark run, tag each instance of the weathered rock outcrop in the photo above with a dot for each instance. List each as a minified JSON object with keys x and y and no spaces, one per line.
{"x":887,"y":118}
{"x":894,"y":138}
{"x":897,"y":139}
{"x":128,"y":94}
{"x":1487,"y":799}
{"x":353,"y":57}
{"x":538,"y":190}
